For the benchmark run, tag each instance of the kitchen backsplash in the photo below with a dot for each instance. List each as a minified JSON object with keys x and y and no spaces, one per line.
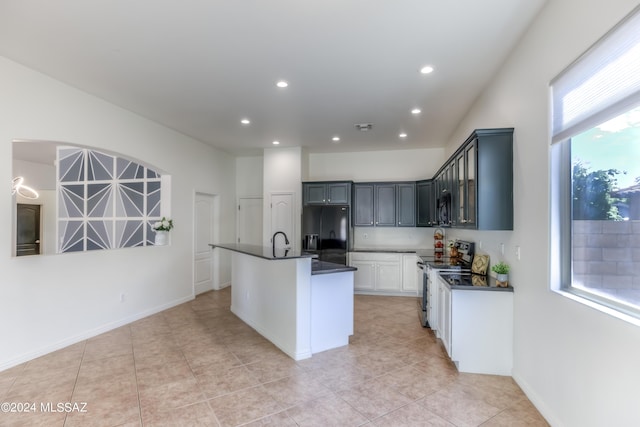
{"x":392,"y":238}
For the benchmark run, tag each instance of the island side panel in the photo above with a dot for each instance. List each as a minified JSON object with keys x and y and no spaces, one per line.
{"x":272,"y":297}
{"x":331,"y":310}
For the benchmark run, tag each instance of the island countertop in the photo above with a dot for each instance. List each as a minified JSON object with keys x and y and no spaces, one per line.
{"x":264,"y":252}
{"x":324,"y":267}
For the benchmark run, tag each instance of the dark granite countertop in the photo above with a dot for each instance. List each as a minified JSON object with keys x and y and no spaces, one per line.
{"x":324,"y":267}
{"x":264,"y":252}
{"x":388,"y":250}
{"x":473,"y":282}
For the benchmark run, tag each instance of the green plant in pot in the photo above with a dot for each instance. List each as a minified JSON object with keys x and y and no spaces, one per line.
{"x":502,"y":273}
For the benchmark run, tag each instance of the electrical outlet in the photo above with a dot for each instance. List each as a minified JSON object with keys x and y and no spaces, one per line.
{"x":518,"y":253}
{"x":122,"y":297}
{"x":502,"y":248}
{"x":479,"y":244}
{"x":365,"y":236}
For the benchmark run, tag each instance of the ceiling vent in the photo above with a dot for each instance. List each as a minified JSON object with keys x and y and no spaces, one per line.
{"x":364,"y":126}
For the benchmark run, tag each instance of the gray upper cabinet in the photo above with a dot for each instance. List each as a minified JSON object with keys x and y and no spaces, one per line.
{"x":444,"y":194}
{"x":339,"y":193}
{"x":385,"y":205}
{"x":388,"y":204}
{"x":474,"y":188}
{"x":326,"y":193}
{"x":425,"y":204}
{"x":363,"y":195}
{"x":490,"y":179}
{"x":483,"y":198}
{"x":406,"y":204}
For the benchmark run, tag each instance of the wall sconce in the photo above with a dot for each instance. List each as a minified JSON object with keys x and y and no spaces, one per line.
{"x":23,"y":190}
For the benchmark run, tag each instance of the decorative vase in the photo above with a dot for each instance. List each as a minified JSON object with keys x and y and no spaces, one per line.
{"x":161,"y":238}
{"x":502,"y":280}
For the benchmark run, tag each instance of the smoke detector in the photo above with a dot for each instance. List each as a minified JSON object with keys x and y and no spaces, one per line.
{"x":364,"y":126}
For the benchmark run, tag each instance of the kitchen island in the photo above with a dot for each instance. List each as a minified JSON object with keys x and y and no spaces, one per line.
{"x":301,"y":305}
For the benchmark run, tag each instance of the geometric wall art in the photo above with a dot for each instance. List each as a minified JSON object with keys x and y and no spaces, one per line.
{"x":104,"y":201}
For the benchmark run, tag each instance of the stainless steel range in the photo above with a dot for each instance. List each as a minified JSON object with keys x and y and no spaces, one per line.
{"x":431,"y":266}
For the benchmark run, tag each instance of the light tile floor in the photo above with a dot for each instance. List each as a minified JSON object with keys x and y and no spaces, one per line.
{"x":199,"y":365}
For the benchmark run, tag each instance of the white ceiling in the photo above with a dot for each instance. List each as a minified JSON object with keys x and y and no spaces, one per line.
{"x":199,"y":66}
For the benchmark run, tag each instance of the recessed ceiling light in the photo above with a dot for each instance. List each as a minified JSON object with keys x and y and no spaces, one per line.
{"x":336,"y":139}
{"x":245,"y":121}
{"x":282,"y":84}
{"x":276,"y":142}
{"x":416,"y":111}
{"x":427,"y":69}
{"x":403,"y":135}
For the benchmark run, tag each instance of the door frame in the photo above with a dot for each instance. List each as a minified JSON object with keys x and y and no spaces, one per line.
{"x":238,"y":199}
{"x":215,"y":226}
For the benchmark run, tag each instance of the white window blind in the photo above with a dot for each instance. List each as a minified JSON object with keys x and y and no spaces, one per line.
{"x":602,"y":83}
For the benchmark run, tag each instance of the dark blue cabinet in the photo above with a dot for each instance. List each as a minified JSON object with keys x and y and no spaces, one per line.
{"x":406,"y":204}
{"x":425,"y":204}
{"x":326,"y":193}
{"x":386,"y":204}
{"x":481,"y":181}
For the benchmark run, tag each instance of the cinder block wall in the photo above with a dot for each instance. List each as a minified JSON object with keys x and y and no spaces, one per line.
{"x":606,"y":256}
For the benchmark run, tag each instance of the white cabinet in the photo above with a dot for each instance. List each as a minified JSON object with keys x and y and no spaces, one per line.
{"x":364,"y":277}
{"x":410,"y":282}
{"x":388,"y":275}
{"x":433,"y":300}
{"x":476,"y":328}
{"x":444,"y":310}
{"x":384,"y":273}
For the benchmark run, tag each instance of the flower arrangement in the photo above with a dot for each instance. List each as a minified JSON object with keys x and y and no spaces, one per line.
{"x":164,"y":224}
{"x":500,"y":268}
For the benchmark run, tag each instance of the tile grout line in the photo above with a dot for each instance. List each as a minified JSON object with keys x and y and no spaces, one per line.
{"x":75,"y":383}
{"x":135,"y":374}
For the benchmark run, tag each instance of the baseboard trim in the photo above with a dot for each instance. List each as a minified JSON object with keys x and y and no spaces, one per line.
{"x":91,"y":333}
{"x":536,"y":400}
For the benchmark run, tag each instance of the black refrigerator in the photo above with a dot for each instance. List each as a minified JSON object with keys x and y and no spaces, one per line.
{"x":326,"y":232}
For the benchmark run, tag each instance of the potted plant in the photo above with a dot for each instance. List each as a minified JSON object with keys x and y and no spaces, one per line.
{"x":162,"y":228}
{"x":502,"y":273}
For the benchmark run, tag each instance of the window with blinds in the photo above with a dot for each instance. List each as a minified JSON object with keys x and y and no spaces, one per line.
{"x":595,"y":174}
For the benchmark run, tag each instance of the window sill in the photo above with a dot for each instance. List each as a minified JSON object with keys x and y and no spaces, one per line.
{"x":577,"y":297}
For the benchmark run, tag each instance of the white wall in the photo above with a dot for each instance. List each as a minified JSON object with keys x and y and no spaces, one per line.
{"x":282,"y":169}
{"x":50,"y":301}
{"x":579,"y":366}
{"x":249,"y":176}
{"x":391,"y":165}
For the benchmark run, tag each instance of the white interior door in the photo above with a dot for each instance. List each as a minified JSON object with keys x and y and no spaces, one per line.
{"x":250,"y":220}
{"x":282,"y":214}
{"x":204,"y":234}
